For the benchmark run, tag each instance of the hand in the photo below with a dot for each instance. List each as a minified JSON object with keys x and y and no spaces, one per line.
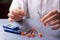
{"x":16,"y":15}
{"x":52,"y":19}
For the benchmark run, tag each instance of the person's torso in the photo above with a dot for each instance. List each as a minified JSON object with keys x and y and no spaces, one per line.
{"x":39,"y":8}
{"x":36,"y":8}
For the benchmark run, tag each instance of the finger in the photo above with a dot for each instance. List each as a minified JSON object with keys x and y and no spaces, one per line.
{"x":14,"y":12}
{"x":17,"y":18}
{"x":22,"y":13}
{"x":14,"y":19}
{"x":10,"y":19}
{"x":54,"y":22}
{"x":49,"y":15}
{"x":51,"y":18}
{"x":56,"y":27}
{"x":18,"y":9}
{"x":11,"y":15}
{"x":19,"y":12}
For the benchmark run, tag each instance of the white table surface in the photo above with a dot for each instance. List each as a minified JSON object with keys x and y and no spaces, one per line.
{"x":48,"y":34}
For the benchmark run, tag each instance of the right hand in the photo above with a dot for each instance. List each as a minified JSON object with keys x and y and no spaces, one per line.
{"x":16,"y":15}
{"x":52,"y":19}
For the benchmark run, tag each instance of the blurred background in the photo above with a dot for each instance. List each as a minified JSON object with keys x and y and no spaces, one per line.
{"x":4,"y":8}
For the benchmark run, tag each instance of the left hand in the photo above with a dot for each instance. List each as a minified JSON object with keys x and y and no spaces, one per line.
{"x":52,"y":19}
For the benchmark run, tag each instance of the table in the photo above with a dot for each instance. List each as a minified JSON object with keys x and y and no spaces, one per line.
{"x":26,"y":24}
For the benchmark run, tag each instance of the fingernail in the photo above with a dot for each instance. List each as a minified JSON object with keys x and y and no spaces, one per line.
{"x":41,"y":20}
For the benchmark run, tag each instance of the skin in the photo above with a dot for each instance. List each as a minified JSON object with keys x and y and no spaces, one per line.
{"x":52,"y":19}
{"x":16,"y":15}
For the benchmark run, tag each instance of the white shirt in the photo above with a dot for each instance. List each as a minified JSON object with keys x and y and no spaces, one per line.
{"x":36,"y":8}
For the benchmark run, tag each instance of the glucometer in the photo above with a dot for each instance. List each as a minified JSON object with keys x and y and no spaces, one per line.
{"x":12,"y":29}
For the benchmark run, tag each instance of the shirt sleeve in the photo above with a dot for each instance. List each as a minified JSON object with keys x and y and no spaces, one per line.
{"x":13,"y":5}
{"x":18,"y":3}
